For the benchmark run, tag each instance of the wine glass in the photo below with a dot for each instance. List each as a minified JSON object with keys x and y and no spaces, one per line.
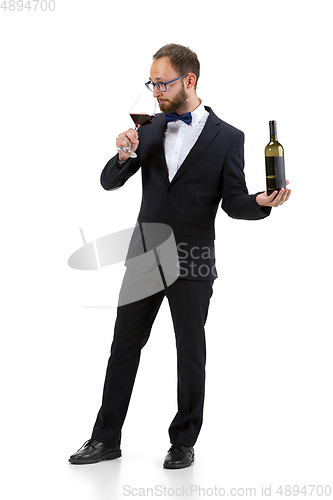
{"x":142,"y":113}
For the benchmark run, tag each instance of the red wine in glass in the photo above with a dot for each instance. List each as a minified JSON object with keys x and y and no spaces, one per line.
{"x":142,"y":119}
{"x":142,"y":113}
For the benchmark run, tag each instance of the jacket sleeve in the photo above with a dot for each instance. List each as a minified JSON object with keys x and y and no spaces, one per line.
{"x":236,"y":201}
{"x":114,"y":175}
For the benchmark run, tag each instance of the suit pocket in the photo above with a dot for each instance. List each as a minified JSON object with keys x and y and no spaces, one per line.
{"x":198,"y":231}
{"x":209,"y":157}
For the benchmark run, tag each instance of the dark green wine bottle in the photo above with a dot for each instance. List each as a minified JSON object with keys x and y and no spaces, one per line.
{"x":274,"y":159}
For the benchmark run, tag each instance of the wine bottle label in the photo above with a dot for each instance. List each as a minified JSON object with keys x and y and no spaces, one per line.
{"x":275,"y":173}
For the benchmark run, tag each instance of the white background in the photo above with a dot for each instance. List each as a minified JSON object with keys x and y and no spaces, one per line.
{"x":68,"y":79}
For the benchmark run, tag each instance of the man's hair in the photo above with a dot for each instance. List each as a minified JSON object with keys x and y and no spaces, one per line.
{"x":182,"y":59}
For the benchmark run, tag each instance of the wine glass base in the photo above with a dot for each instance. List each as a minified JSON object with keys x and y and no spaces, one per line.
{"x":131,"y":153}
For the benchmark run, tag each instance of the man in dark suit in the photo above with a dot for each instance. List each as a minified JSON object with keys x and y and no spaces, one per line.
{"x":190,"y":160}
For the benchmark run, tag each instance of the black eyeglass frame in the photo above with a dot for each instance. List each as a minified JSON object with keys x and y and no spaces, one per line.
{"x":162,"y":83}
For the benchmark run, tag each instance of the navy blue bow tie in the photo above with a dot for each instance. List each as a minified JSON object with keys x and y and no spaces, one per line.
{"x":172,"y":117}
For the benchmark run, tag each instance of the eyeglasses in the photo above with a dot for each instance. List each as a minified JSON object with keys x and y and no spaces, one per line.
{"x":161,"y":86}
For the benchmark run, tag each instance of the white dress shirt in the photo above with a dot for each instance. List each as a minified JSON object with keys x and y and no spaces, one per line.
{"x":179,"y":139}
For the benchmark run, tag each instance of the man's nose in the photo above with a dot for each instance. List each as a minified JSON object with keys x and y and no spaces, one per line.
{"x":157,"y":93}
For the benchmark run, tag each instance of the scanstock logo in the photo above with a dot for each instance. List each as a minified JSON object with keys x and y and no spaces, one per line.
{"x":149,"y":252}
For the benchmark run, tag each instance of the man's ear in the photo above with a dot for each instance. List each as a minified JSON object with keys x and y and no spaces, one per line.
{"x":190,"y":80}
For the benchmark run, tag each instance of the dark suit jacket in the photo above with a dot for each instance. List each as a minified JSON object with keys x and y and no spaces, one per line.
{"x":212,"y":171}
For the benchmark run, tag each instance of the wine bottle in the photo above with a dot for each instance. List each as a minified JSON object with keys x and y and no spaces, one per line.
{"x":274,"y":159}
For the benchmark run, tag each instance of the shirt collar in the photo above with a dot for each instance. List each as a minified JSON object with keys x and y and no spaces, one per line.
{"x":197,"y":114}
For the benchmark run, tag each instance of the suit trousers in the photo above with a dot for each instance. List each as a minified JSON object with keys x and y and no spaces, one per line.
{"x":189,"y":303}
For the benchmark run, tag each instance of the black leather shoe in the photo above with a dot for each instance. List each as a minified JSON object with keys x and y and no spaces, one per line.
{"x":93,"y":451}
{"x":179,"y":456}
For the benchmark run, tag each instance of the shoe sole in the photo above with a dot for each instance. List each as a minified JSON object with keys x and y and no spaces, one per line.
{"x":108,"y":456}
{"x":179,"y":466}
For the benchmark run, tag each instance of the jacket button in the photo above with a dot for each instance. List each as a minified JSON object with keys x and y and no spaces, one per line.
{"x":169,"y":191}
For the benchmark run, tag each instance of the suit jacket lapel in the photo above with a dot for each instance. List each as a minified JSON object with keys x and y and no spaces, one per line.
{"x":209,"y":132}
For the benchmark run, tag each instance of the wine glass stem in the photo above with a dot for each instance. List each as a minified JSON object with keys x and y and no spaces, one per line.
{"x":136,"y":129}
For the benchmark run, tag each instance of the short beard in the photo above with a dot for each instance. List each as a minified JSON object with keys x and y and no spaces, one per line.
{"x":178,"y":102}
